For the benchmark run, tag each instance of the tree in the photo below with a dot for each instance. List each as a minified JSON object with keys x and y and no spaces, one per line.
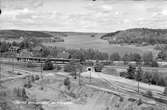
{"x":115,"y":57}
{"x":125,"y":58}
{"x":165,"y":91}
{"x":4,"y":47}
{"x":147,"y":58}
{"x":139,"y":73}
{"x":98,"y":67}
{"x":135,"y":57}
{"x":48,"y":65}
{"x":155,"y":78}
{"x":154,"y":64}
{"x":162,"y":55}
{"x":29,"y":43}
{"x":147,"y":77}
{"x":131,"y":72}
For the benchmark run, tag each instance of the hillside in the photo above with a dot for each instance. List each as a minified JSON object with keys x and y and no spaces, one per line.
{"x":137,"y":35}
{"x":20,"y":33}
{"x":25,"y":33}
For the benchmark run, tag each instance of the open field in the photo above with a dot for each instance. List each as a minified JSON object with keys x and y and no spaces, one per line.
{"x":86,"y":41}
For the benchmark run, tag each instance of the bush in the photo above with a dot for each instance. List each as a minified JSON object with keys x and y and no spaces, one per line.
{"x":48,"y":65}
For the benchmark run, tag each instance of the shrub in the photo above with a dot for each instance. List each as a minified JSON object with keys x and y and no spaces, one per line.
{"x":123,"y":74}
{"x":165,"y":91}
{"x":67,"y":82}
{"x":149,"y":93}
{"x":28,"y":84}
{"x":139,"y":102}
{"x":37,"y":77}
{"x":121,"y":99}
{"x":48,"y":65}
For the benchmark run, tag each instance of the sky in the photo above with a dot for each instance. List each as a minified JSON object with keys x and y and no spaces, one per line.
{"x":82,"y":15}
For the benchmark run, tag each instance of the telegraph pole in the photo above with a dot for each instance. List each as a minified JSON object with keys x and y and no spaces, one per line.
{"x":41,"y":76}
{"x":0,"y":73}
{"x":89,"y":69}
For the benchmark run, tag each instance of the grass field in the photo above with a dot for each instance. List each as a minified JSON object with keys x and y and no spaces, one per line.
{"x":86,"y":41}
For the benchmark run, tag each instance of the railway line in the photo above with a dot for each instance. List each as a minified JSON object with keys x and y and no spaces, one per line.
{"x":116,"y":86}
{"x":130,"y":90}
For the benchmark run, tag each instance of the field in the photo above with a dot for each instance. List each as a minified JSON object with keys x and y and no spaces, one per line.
{"x":85,"y":41}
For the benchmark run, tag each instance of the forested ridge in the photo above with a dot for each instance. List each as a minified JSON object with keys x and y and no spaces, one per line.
{"x":138,"y":35}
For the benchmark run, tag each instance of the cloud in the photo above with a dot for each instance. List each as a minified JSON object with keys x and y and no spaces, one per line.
{"x":101,"y":16}
{"x":21,"y":4}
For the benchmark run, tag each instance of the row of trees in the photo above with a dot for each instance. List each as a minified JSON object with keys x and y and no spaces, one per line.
{"x":138,"y":74}
{"x":30,"y":43}
{"x":83,"y":54}
{"x":147,"y":58}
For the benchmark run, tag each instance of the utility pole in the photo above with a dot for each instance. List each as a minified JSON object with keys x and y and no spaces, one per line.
{"x":41,"y":76}
{"x":0,"y":73}
{"x":79,"y":78}
{"x":139,"y":72}
{"x":80,"y":70}
{"x":13,"y":63}
{"x":89,"y":69}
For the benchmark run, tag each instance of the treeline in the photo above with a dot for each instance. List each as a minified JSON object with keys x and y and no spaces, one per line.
{"x":82,"y":54}
{"x":147,"y":58}
{"x":138,"y":74}
{"x":54,"y":51}
{"x":138,"y":36}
